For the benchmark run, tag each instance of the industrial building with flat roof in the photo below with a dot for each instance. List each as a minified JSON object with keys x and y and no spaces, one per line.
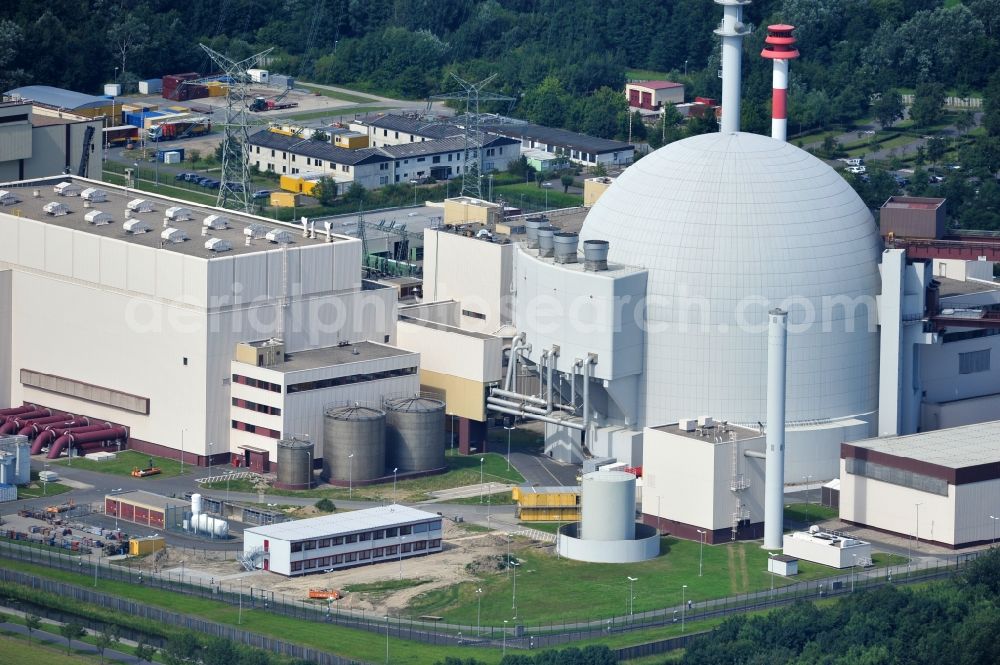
{"x":36,"y":142}
{"x":343,"y":540}
{"x":579,"y":148}
{"x":939,"y":487}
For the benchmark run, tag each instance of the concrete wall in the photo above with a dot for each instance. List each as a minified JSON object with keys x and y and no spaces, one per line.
{"x":939,"y":370}
{"x":941,"y":415}
{"x":963,"y":270}
{"x":5,"y":339}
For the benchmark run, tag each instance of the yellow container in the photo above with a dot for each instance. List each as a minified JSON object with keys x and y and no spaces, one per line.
{"x":290,"y":183}
{"x":285,"y":199}
{"x":308,"y":186}
{"x":142,"y":546}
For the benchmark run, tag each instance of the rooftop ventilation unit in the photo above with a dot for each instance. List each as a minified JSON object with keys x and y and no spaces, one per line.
{"x":67,"y":189}
{"x":531,"y":226}
{"x":98,"y":218}
{"x":279,"y":236}
{"x":546,"y":241}
{"x":218,"y":245}
{"x":216,"y":222}
{"x":173,"y":235}
{"x":140,"y":205}
{"x":564,"y":247}
{"x":56,"y":209}
{"x":94,"y":195}
{"x":686,"y":424}
{"x":706,"y":421}
{"x":136,"y":226}
{"x":8,"y":198}
{"x":595,"y":255}
{"x":178,"y":214}
{"x":254,"y":231}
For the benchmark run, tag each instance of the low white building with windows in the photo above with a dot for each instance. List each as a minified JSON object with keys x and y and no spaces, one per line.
{"x":343,"y":540}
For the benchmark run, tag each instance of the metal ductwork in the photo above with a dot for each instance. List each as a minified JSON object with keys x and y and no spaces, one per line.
{"x":546,"y":241}
{"x":531,"y":226}
{"x":75,"y":438}
{"x":11,"y":426}
{"x":51,"y":433}
{"x":565,"y":245}
{"x":595,"y":255}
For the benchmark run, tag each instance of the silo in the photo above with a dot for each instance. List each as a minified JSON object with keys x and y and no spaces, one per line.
{"x":295,"y":464}
{"x":415,"y":433}
{"x":357,"y":431}
{"x":607,"y":508}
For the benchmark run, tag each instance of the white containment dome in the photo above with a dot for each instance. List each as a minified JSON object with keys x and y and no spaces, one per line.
{"x":730,"y":226}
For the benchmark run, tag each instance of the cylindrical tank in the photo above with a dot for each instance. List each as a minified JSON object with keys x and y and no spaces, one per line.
{"x":415,"y":433}
{"x":595,"y":254}
{"x":295,"y":464}
{"x":607,"y":508}
{"x":546,"y":241}
{"x":531,"y":226}
{"x":196,"y":508}
{"x":209,"y":526}
{"x":353,"y":443}
{"x":565,"y":245}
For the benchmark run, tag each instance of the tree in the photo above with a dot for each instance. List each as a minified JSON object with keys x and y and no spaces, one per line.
{"x":325,"y":505}
{"x":70,"y":630}
{"x":143,"y":651}
{"x":325,"y":191}
{"x":991,"y":106}
{"x":965,"y":121}
{"x":356,"y":193}
{"x":600,"y":170}
{"x":928,"y":104}
{"x":32,"y":622}
{"x":539,"y":178}
{"x":182,"y":648}
{"x":937,"y":146}
{"x":888,"y":108}
{"x":219,"y":651}
{"x":566,"y":180}
{"x":107,"y":637}
{"x":321,"y":136}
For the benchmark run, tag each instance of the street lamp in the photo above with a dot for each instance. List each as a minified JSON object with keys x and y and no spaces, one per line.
{"x":683,"y":606}
{"x":504,"y":651}
{"x":350,"y":476}
{"x":685,"y":68}
{"x":808,"y":479}
{"x":210,"y":446}
{"x":701,"y":550}
{"x":992,"y":518}
{"x":630,"y":606}
{"x":229,"y":475}
{"x":770,"y":567}
{"x":916,"y":532}
{"x":394,"y":484}
{"x":400,"y":537}
{"x":414,"y":183}
{"x":481,"y":460}
{"x":479,"y":610}
{"x":513,"y":605}
{"x":386,"y":639}
{"x":509,"y":430}
{"x":854,"y":566}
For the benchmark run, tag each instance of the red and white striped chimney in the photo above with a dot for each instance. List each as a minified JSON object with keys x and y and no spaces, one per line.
{"x":778,"y":47}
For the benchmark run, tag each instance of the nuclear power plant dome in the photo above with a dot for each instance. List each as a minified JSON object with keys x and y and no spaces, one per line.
{"x":730,"y":226}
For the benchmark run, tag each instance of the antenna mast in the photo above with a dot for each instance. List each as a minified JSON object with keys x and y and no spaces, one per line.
{"x":235,"y":184}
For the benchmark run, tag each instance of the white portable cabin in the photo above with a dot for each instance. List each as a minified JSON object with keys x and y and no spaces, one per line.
{"x":98,"y":218}
{"x":216,"y":222}
{"x":8,"y":198}
{"x":140,"y":205}
{"x":94,"y":195}
{"x":67,"y":189}
{"x":258,"y":75}
{"x":255,"y":231}
{"x":136,"y":226}
{"x":218,"y":245}
{"x":279,"y":236}
{"x":178,"y":214}
{"x":56,"y":209}
{"x":170,"y":234}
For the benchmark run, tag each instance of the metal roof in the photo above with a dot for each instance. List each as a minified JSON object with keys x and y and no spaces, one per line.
{"x":559,"y":137}
{"x":57,"y":97}
{"x":437,"y":146}
{"x":657,"y":85}
{"x":955,"y":447}
{"x":315,"y":149}
{"x":415,"y":126}
{"x":379,"y":517}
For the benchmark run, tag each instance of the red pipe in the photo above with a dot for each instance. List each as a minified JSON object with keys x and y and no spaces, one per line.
{"x":85,"y":437}
{"x":48,"y":435}
{"x":17,"y":423}
{"x":5,"y":414}
{"x":28,"y":426}
{"x":31,"y":431}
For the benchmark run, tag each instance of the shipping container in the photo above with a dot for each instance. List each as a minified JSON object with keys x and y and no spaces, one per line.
{"x":285,"y":199}
{"x":164,"y":156}
{"x":150,"y":86}
{"x":258,"y":75}
{"x":120,"y":135}
{"x":142,"y":546}
{"x":291,"y":183}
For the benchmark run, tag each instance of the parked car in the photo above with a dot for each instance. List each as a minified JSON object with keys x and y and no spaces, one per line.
{"x":191,"y":177}
{"x":262,"y":194}
{"x":181,"y":176}
{"x":212,"y":184}
{"x":856,"y":169}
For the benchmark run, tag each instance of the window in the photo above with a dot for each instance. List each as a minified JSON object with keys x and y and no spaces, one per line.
{"x":309,"y":545}
{"x":351,"y":556}
{"x":974,"y":361}
{"x":324,"y":542}
{"x":367,"y":535}
{"x":185,"y":362}
{"x":392,"y":532}
{"x":338,"y":540}
{"x":258,"y":150}
{"x":436,"y":159}
{"x":377,"y":552}
{"x":366,"y":554}
{"x":349,"y":380}
{"x":272,"y":153}
{"x":405,"y":530}
{"x":296,"y":566}
{"x":284,"y":169}
{"x":294,"y":170}
{"x":421,"y":159}
{"x":419,"y":545}
{"x":385,"y":132}
{"x":434,"y":543}
{"x":384,"y":166}
{"x":378,"y":535}
{"x":420,"y":528}
{"x":345,"y":168}
{"x":474,"y":315}
{"x":255,"y":383}
{"x":352,"y":538}
{"x":259,"y":408}
{"x":293,"y":158}
{"x":389,"y":551}
{"x":296,"y":547}
{"x":256,"y":429}
{"x":383,"y":180}
{"x":338,"y":558}
{"x":407,"y":547}
{"x":311,"y":563}
{"x":396,"y":134}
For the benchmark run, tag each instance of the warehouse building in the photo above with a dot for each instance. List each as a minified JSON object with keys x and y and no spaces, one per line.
{"x":36,"y":141}
{"x":392,"y":129}
{"x":78,"y":103}
{"x":145,"y":508}
{"x":939,"y":487}
{"x":343,"y":540}
{"x":653,"y":95}
{"x":177,"y":288}
{"x":579,"y":148}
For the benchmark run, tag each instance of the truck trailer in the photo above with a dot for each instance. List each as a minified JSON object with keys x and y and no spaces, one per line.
{"x":179,"y":129}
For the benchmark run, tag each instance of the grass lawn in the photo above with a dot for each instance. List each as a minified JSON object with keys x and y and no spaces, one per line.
{"x":336,"y":94}
{"x":646,"y":75}
{"x":347,"y":112}
{"x":37,"y":489}
{"x":463,"y":470}
{"x":14,"y":649}
{"x":536,"y":196}
{"x":809,"y":512}
{"x":127,"y":460}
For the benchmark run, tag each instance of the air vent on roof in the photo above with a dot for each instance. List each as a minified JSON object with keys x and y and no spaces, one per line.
{"x":56,"y":209}
{"x":8,"y":198}
{"x":94,"y":195}
{"x":216,"y":222}
{"x":171,"y":234}
{"x":218,"y":245}
{"x":279,"y":236}
{"x":178,"y":214}
{"x":253,"y":231}
{"x":136,"y":226}
{"x":98,"y":218}
{"x":140,"y":205}
{"x":67,"y":189}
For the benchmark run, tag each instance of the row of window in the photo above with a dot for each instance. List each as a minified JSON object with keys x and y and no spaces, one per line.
{"x":254,"y":406}
{"x":348,"y":380}
{"x":474,"y":315}
{"x":256,"y":383}
{"x":256,"y":429}
{"x":974,"y":361}
{"x":364,"y":555}
{"x":364,"y":536}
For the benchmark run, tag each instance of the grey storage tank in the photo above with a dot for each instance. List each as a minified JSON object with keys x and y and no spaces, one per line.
{"x":295,"y":464}
{"x":415,"y":433}
{"x":357,"y":431}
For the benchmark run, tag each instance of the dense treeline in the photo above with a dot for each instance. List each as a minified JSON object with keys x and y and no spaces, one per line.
{"x":955,"y":621}
{"x":564,"y":62}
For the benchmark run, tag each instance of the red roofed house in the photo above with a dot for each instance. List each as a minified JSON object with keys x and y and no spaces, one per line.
{"x":652,"y":95}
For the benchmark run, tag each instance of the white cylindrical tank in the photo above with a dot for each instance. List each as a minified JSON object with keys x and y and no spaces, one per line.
{"x":210,"y":526}
{"x":608,"y":506}
{"x":196,"y":504}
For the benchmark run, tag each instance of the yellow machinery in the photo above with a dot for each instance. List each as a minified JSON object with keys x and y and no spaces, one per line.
{"x":547,"y":504}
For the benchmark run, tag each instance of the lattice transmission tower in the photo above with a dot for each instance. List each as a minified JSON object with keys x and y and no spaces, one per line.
{"x":472,"y":121}
{"x":235,"y":185}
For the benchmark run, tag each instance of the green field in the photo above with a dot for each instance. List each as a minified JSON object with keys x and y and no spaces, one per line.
{"x":345,"y":112}
{"x":809,"y":512}
{"x":646,"y":75}
{"x":462,"y":470}
{"x":14,"y":650}
{"x":127,"y":460}
{"x":336,"y":94}
{"x":37,"y":489}
{"x":532,"y":194}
